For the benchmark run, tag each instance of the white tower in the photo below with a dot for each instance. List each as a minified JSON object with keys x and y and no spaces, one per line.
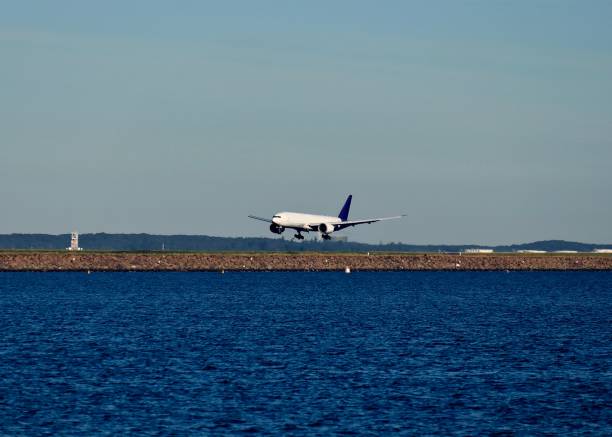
{"x":74,"y":241}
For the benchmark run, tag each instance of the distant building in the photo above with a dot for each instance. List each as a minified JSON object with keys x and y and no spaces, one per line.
{"x":602,"y":251}
{"x":530,"y":251}
{"x":566,"y":251}
{"x":342,"y":238}
{"x":74,"y":242}
{"x":478,"y":250}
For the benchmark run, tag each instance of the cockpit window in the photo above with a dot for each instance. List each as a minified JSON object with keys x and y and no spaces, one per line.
{"x":276,"y":216}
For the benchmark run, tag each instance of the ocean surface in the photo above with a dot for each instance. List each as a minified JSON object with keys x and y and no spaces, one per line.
{"x":306,"y":353}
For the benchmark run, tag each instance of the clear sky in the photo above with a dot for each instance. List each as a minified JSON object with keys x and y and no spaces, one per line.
{"x":485,"y":121}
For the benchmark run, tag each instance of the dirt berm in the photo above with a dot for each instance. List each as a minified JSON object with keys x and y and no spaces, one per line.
{"x":158,"y":261}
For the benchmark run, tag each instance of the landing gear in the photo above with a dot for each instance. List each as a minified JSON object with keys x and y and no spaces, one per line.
{"x":326,"y":237}
{"x":299,"y":236}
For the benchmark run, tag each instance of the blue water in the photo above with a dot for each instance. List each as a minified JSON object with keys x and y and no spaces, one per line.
{"x":306,"y":353}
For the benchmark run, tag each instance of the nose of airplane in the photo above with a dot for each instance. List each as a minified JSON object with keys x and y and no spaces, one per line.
{"x":277,"y":218}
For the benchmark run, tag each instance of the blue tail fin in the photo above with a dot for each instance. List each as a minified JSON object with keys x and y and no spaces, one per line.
{"x":345,"y":209}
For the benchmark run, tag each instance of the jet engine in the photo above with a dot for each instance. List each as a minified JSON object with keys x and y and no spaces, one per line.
{"x":276,"y":229}
{"x":326,"y":228}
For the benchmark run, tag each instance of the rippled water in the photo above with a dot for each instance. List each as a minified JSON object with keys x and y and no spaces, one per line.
{"x":296,"y":353}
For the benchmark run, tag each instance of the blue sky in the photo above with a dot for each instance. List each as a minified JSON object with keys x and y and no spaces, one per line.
{"x":486,"y":122}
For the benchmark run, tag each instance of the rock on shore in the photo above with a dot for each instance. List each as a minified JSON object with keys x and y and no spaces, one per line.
{"x":188,"y":261}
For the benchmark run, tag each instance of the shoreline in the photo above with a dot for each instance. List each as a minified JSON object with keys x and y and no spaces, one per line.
{"x":49,"y":261}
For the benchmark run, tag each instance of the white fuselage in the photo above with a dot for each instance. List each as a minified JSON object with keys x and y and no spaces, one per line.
{"x":307,"y":222}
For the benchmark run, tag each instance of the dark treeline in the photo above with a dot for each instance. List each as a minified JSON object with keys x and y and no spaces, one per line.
{"x":148,"y":242}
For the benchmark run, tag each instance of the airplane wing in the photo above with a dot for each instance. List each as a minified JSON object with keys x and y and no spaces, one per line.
{"x":346,"y":224}
{"x":261,"y":218}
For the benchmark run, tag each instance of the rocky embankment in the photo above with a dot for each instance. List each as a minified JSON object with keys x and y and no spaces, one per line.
{"x":156,"y":261}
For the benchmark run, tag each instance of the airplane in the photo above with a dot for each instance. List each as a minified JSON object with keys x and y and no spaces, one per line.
{"x":316,"y":223}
